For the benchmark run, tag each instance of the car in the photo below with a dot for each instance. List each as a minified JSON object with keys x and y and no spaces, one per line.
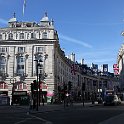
{"x":112,"y":100}
{"x":99,"y":100}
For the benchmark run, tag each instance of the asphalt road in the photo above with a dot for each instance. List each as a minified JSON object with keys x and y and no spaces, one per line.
{"x":78,"y":115}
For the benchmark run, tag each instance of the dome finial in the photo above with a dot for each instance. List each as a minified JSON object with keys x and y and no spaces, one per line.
{"x":14,"y":15}
{"x":45,"y":14}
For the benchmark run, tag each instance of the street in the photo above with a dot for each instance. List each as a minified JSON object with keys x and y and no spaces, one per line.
{"x":74,"y":115}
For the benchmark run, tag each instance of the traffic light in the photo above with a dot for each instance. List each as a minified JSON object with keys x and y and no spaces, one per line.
{"x":35,"y":85}
{"x":69,"y":86}
{"x":65,"y":87}
{"x":32,"y":87}
{"x":59,"y":88}
{"x":83,"y":86}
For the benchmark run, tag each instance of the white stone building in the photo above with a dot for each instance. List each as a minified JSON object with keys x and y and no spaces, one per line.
{"x":20,"y":44}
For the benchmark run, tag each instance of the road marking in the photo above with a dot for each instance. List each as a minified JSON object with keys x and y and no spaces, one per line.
{"x":22,"y":121}
{"x":45,"y":121}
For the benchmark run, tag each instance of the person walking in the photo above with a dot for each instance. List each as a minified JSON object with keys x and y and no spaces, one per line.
{"x":43,"y":100}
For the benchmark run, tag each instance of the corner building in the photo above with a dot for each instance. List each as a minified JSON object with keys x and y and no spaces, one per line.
{"x":21,"y":43}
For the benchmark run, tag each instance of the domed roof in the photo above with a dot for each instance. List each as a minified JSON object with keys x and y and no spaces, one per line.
{"x":45,"y":18}
{"x":12,"y":20}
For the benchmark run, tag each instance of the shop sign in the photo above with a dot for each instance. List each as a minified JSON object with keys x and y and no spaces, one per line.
{"x":18,"y":93}
{"x":43,"y":87}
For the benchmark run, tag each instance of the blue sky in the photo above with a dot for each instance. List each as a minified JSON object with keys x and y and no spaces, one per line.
{"x":89,"y":28}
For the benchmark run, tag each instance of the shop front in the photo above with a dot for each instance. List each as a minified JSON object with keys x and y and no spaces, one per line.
{"x":20,"y":98}
{"x":43,"y":92}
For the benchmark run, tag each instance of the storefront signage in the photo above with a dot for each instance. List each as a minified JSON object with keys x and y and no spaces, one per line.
{"x":20,"y":93}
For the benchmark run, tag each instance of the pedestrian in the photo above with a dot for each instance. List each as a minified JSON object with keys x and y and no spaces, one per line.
{"x":43,"y":100}
{"x":52,"y":100}
{"x":31,"y":104}
{"x":34,"y":103}
{"x":71,"y":101}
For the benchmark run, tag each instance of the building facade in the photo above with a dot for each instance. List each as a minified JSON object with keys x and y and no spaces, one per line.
{"x":31,"y":51}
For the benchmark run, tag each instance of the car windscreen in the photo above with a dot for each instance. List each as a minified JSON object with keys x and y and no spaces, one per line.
{"x":109,"y":98}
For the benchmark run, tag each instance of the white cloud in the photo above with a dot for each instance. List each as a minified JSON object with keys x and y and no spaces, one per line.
{"x":74,"y":41}
{"x":2,"y":21}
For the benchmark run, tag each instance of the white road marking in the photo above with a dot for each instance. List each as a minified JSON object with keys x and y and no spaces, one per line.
{"x":22,"y":121}
{"x":45,"y":121}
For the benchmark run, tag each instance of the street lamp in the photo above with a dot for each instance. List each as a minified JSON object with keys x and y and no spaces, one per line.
{"x":42,"y":74}
{"x":37,"y":89}
{"x":39,"y":61}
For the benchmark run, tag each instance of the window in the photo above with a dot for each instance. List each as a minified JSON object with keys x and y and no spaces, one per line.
{"x":1,"y":85}
{"x":20,"y":59}
{"x":21,"y":35}
{"x":5,"y":86}
{"x":2,"y":64}
{"x":20,"y":72}
{"x":21,"y":49}
{"x":39,"y":49}
{"x":2,"y":60}
{"x":20,"y":65}
{"x":39,"y":57}
{"x":32,"y":35}
{"x":0,"y":36}
{"x":24,"y":86}
{"x":10,"y":36}
{"x":3,"y":49}
{"x":44,"y":35}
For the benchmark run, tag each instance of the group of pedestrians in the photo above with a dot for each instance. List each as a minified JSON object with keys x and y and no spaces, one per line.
{"x":33,"y":103}
{"x":68,"y":101}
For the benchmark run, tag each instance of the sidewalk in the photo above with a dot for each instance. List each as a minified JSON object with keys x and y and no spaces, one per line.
{"x":60,"y":107}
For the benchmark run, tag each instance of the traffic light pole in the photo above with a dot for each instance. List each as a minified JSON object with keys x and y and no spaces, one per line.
{"x":37,"y":87}
{"x":83,"y":89}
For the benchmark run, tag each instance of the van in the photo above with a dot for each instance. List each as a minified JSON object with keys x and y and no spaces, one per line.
{"x":112,"y":100}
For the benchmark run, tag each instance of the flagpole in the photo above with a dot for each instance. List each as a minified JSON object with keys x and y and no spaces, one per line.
{"x":24,"y":6}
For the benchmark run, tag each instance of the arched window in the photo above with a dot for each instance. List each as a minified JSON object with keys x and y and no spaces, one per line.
{"x":44,"y":35}
{"x":10,"y":36}
{"x":21,"y":35}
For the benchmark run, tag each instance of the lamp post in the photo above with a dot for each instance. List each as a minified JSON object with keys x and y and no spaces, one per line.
{"x":14,"y":80}
{"x":42,"y":75}
{"x":39,"y":61}
{"x":37,"y":90}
